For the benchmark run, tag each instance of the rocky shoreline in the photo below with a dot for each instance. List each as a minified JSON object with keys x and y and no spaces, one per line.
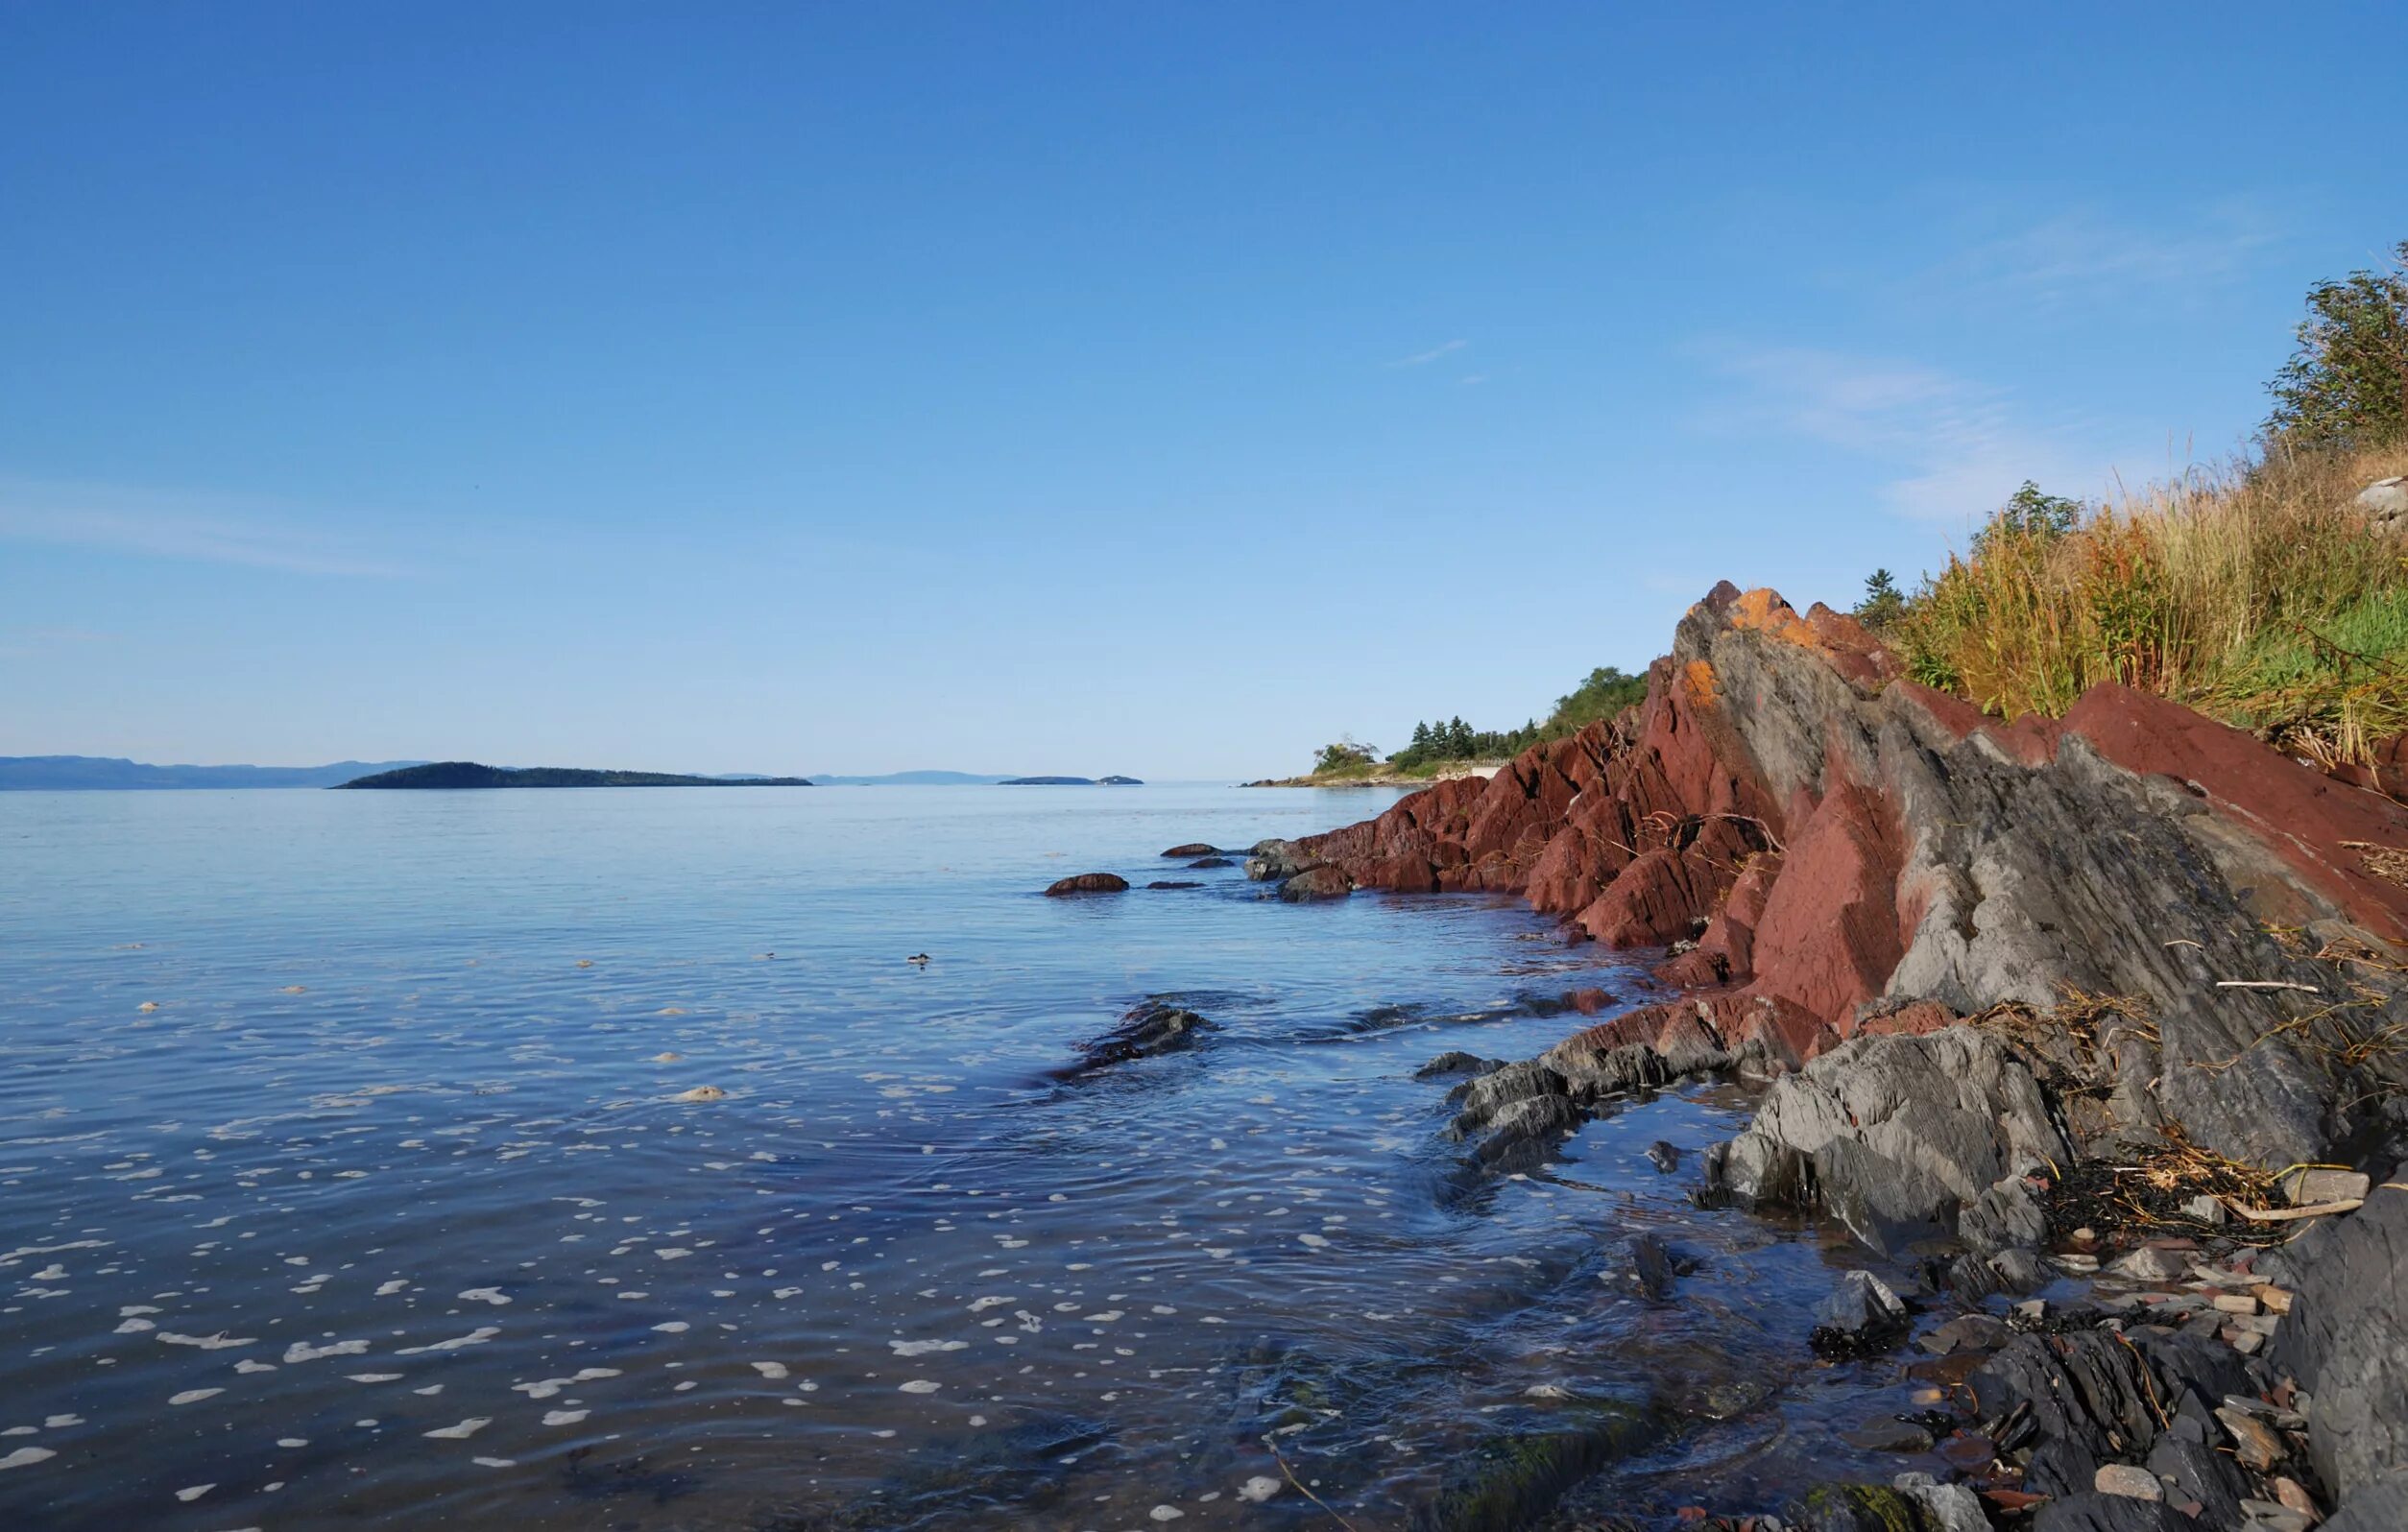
{"x":2113,"y":1005}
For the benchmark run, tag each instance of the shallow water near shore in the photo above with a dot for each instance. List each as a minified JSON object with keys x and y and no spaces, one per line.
{"x":343,"y":1178}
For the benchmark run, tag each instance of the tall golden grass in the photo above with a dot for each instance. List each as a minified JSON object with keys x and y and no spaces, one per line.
{"x":2251,"y":591}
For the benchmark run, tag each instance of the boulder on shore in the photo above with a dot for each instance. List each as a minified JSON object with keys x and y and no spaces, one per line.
{"x":1317,"y":883}
{"x":1089,"y":883}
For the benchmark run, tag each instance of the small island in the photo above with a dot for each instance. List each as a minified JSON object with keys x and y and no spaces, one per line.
{"x":1070,"y":782}
{"x":468,"y":774}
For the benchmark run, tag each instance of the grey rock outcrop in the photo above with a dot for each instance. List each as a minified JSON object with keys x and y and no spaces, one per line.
{"x":2346,"y":1341}
{"x":1895,"y":1133}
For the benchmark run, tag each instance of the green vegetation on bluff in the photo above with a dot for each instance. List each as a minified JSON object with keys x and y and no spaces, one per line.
{"x":1438,"y":746}
{"x":2258,"y":592}
{"x":468,"y":774}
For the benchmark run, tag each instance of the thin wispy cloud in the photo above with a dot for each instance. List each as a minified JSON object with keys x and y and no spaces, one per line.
{"x":1425,"y":358}
{"x":2080,"y":255}
{"x":1957,"y":448}
{"x":198,"y":528}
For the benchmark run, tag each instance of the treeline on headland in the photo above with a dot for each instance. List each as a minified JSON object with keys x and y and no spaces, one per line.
{"x":1605,"y":693}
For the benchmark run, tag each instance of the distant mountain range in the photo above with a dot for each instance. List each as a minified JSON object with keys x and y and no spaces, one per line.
{"x":103,"y":774}
{"x":468,"y":774}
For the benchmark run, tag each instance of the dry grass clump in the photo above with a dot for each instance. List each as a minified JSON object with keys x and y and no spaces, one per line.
{"x":2252,"y":592}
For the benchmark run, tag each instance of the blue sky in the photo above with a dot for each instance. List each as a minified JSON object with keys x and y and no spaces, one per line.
{"x":1146,"y":387}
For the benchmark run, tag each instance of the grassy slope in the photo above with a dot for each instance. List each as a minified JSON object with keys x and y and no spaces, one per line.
{"x":2253,"y":594}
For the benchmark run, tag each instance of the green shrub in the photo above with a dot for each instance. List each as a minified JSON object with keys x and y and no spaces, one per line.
{"x":2347,"y":385}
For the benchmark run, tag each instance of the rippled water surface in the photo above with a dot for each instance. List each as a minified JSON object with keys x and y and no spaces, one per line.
{"x":343,"y":1177}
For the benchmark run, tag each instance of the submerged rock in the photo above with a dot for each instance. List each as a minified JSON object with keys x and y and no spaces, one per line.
{"x":1513,"y":1477}
{"x":1865,"y":1508}
{"x":1454,"y":1060}
{"x":1194,"y":848}
{"x":1155,"y":1027}
{"x":1862,"y":1316}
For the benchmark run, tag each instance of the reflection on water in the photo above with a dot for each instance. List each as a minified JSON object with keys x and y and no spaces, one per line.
{"x":345,"y":1173}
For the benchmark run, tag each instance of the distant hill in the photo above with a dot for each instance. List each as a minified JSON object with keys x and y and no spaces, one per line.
{"x":468,"y":774}
{"x":1072,"y":781}
{"x":113,"y":773}
{"x":908,"y":779}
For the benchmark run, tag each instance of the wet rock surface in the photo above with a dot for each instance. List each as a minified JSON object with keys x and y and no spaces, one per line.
{"x":1153,"y":1028}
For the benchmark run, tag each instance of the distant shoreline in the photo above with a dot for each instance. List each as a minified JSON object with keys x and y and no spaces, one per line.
{"x":457,"y":776}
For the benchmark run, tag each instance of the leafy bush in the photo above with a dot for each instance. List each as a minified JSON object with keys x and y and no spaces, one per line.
{"x":2347,"y":385}
{"x":1346,"y":756}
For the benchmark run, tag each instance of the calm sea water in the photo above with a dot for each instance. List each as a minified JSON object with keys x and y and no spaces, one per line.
{"x":343,"y":1177}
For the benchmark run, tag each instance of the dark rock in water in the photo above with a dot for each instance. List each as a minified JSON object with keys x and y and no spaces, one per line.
{"x":1861,"y":1317}
{"x":2093,"y":1512}
{"x":1203,"y":862}
{"x":1890,"y":1435}
{"x":1273,"y":860}
{"x":1863,"y":1508}
{"x":2380,"y":1505}
{"x":1510,"y":1479}
{"x":1515,"y":1116}
{"x":1317,"y":883}
{"x":1153,"y":1028}
{"x":1664,"y":1156}
{"x":2346,"y":1340}
{"x":1966,"y":1332}
{"x":1651,"y":1266}
{"x":1194,"y":848}
{"x":1089,"y":883}
{"x":1172,"y":883}
{"x":1020,"y":1464}
{"x":1454,"y":1060}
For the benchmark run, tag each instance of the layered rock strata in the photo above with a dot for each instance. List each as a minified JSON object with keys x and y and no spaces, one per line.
{"x":1968,"y":953}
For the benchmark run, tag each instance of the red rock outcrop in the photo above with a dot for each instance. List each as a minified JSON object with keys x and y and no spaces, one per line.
{"x":1836,"y":850}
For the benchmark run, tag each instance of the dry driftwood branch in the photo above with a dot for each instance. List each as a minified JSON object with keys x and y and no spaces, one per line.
{"x":2267,"y":984}
{"x":2283,"y":1215}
